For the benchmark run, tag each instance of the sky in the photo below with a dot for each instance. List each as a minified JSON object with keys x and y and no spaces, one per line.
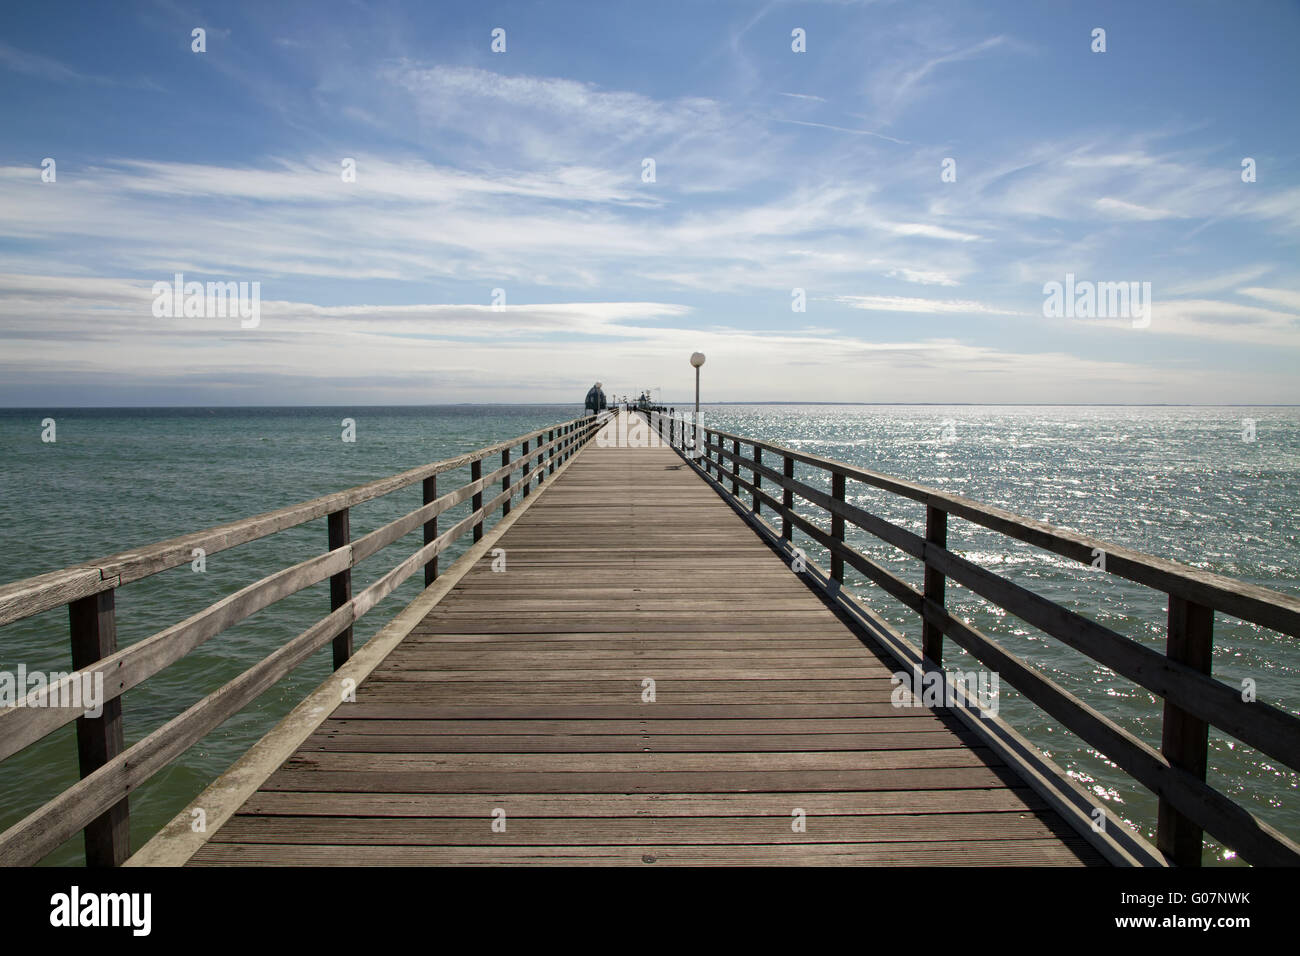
{"x":915,"y":177}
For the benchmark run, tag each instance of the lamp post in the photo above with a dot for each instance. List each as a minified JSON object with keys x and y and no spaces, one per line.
{"x":697,"y":359}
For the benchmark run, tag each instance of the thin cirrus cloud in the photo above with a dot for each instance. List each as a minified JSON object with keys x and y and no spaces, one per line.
{"x":1285,"y":298}
{"x":1227,"y":322}
{"x":923,"y":277}
{"x":93,"y":307}
{"x":895,"y":303}
{"x":393,"y":354}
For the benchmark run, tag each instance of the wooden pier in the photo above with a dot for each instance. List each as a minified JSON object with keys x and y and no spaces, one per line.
{"x":631,"y":667}
{"x":522,"y":691}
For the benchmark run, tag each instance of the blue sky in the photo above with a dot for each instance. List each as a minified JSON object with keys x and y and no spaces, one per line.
{"x":774,"y":170}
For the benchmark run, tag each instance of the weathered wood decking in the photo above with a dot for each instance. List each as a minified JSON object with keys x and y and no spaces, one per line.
{"x":523,"y":691}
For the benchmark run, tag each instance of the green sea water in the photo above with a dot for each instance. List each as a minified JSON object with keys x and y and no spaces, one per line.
{"x":1180,"y":483}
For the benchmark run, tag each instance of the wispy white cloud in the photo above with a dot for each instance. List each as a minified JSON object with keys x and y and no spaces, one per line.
{"x":1226,"y":322}
{"x":1212,"y":320}
{"x":922,"y":277}
{"x":398,"y":354}
{"x":52,"y":70}
{"x":927,"y":230}
{"x":842,"y":129}
{"x":912,"y":73}
{"x":1286,"y":298}
{"x":1218,"y":283}
{"x":42,"y":67}
{"x":1131,"y":210}
{"x":895,"y":303}
{"x":58,"y":307}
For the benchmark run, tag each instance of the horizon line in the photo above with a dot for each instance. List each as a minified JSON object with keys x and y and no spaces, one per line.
{"x":685,"y":405}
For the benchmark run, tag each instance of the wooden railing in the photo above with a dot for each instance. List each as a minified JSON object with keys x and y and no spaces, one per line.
{"x":98,"y":804}
{"x":1193,"y":699}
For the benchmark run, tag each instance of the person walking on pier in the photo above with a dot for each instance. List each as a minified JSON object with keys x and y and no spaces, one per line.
{"x":595,"y":399}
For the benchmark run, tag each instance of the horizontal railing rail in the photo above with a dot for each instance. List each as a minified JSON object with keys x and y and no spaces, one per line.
{"x":1181,"y":677}
{"x":97,"y":804}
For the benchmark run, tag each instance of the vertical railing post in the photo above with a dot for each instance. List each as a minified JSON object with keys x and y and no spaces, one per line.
{"x":505,"y":483}
{"x":93,"y":625}
{"x":550,"y":452}
{"x":837,"y":528}
{"x":787,"y":500}
{"x":936,"y":533}
{"x":340,"y":535}
{"x":735,"y":464}
{"x":476,"y":474}
{"x":758,"y":479}
{"x":1184,"y":739}
{"x":431,"y":529}
{"x":525,"y":477}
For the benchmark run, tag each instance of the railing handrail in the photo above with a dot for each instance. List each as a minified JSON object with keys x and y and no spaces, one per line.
{"x":42,"y":592}
{"x":1250,"y":602}
{"x":1193,"y":698}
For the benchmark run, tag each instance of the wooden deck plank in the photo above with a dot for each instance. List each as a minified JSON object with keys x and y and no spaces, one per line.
{"x":858,"y":803}
{"x":523,"y":690}
{"x":1049,"y":852}
{"x":572,"y":710}
{"x":629,"y":743}
{"x":636,"y":762}
{"x":661,"y":781}
{"x":631,"y":831}
{"x":805,"y":727}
